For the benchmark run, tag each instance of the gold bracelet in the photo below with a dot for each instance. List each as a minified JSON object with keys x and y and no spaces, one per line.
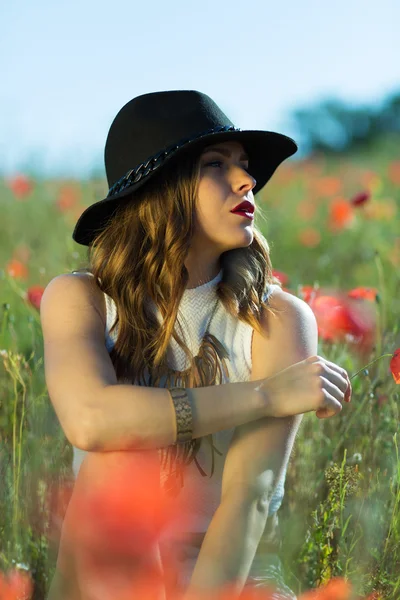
{"x":183,"y":413}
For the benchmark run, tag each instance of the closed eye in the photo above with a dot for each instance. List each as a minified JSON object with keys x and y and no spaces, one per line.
{"x":220,"y":162}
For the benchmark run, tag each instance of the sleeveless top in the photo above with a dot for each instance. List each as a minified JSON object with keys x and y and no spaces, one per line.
{"x":236,"y":336}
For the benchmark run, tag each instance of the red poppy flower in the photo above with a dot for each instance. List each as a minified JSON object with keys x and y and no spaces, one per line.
{"x":117,"y":503}
{"x":115,"y":519}
{"x":309,"y":237}
{"x":337,"y":588}
{"x":363,"y":293}
{"x":20,"y":186}
{"x":341,"y":214}
{"x":34,"y":295}
{"x":395,"y":365}
{"x":327,"y":186}
{"x":306,"y":209}
{"x":307,"y":292}
{"x":360,"y":198}
{"x":394,"y":172}
{"x":106,"y":576}
{"x":229,"y":591}
{"x":283,"y":278}
{"x":68,"y":198}
{"x":16,"y":269}
{"x":16,"y":585}
{"x":340,"y":318}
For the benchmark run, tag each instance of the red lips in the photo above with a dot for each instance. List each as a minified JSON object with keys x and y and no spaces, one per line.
{"x":244,"y":206}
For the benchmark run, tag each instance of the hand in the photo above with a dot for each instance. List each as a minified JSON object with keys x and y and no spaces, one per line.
{"x":311,"y":384}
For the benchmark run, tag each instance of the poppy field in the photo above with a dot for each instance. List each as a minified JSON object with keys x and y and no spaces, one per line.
{"x":333,"y":225}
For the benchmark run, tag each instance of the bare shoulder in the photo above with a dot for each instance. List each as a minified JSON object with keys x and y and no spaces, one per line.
{"x":78,"y":290}
{"x":291,"y":306}
{"x":288,"y":336}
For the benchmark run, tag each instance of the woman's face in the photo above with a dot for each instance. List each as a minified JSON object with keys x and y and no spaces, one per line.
{"x":224,"y":183}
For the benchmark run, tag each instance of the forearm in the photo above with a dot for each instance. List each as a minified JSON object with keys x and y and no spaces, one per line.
{"x":229,"y":545}
{"x":127,"y":417}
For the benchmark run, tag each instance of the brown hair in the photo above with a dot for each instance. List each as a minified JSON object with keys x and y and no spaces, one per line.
{"x":140,"y":254}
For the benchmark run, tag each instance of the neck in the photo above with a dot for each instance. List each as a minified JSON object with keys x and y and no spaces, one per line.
{"x":200,"y":273}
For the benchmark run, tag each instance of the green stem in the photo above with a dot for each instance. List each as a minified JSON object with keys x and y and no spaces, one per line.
{"x":396,"y":501}
{"x":356,"y":412}
{"x":15,"y":511}
{"x":6,"y":308}
{"x":381,"y":279}
{"x":369,"y":364}
{"x":21,"y":425}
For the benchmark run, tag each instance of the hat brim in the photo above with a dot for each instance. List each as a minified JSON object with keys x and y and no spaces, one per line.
{"x":266,"y":151}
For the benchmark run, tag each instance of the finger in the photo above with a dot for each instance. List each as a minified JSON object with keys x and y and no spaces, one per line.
{"x":334,"y":395}
{"x":338,"y":383}
{"x":331,"y":407}
{"x":343,"y":383}
{"x":349,"y":390}
{"x":341,"y":379}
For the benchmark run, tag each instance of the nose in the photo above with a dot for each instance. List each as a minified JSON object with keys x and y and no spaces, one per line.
{"x":242,"y":181}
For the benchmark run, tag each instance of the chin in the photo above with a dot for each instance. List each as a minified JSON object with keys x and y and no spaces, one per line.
{"x":244,"y":244}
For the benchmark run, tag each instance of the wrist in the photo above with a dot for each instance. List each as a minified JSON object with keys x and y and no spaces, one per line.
{"x":262,"y":398}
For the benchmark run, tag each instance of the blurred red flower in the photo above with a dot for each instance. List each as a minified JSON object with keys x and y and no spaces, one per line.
{"x":114,"y":521}
{"x":337,"y":588}
{"x":394,"y":172}
{"x":34,"y":295}
{"x":15,"y":268}
{"x":327,"y":186}
{"x":340,"y":318}
{"x":341,"y":214}
{"x":307,"y":292}
{"x":310,"y":237}
{"x":360,"y":198}
{"x":229,"y":592}
{"x":20,"y":186}
{"x":68,"y":198}
{"x":395,"y":365}
{"x":365,"y":293}
{"x":16,"y":585}
{"x":283,"y":278}
{"x":306,"y":209}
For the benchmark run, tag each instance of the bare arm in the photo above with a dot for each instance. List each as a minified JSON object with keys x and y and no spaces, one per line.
{"x":128,"y":416}
{"x":258,"y":454}
{"x":95,"y":411}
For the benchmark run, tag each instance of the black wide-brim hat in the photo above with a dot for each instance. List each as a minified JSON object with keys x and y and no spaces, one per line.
{"x":153,"y":129}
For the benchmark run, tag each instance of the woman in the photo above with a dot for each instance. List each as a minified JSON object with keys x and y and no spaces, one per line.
{"x":174,"y":242}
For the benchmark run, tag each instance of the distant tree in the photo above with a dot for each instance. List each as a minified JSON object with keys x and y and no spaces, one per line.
{"x":333,"y":126}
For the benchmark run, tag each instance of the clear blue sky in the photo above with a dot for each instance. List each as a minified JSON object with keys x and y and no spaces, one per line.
{"x":68,"y":67}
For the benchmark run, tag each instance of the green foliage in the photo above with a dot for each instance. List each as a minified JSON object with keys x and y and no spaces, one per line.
{"x":333,"y":126}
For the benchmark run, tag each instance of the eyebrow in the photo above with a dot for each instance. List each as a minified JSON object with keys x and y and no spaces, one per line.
{"x":225,"y":152}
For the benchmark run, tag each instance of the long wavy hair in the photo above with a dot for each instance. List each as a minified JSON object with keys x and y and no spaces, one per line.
{"x":140,"y":255}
